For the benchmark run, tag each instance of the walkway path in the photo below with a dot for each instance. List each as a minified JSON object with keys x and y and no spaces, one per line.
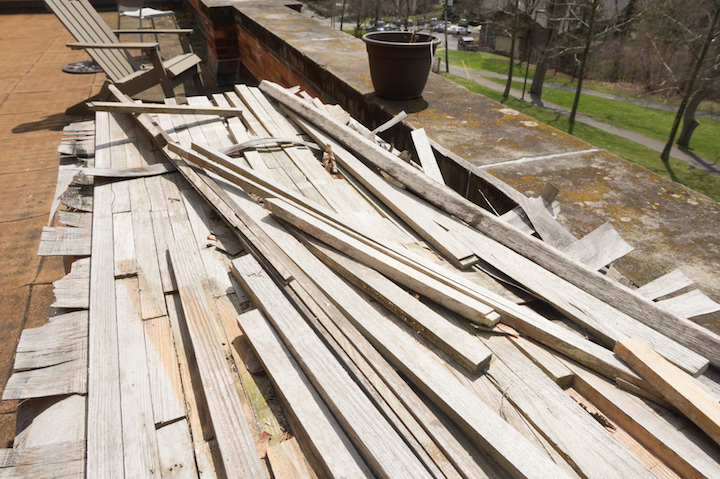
{"x":694,"y":160}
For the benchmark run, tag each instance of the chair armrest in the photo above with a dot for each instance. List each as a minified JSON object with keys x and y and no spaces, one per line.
{"x":106,"y":46}
{"x":185,"y":31}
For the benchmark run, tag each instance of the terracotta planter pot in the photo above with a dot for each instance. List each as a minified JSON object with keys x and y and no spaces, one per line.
{"x":399,"y":69}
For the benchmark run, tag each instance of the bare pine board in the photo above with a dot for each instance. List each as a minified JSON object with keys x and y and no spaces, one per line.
{"x":455,"y":300}
{"x":232,"y":431}
{"x":104,"y":432}
{"x":381,"y":447}
{"x":669,"y":436}
{"x":73,"y":289}
{"x":195,"y":405}
{"x":673,"y":385}
{"x":599,"y":248}
{"x":61,"y":241}
{"x":138,"y":427}
{"x":175,"y":451}
{"x":325,"y":436}
{"x":452,"y":339}
{"x":691,"y":335}
{"x":664,"y":285}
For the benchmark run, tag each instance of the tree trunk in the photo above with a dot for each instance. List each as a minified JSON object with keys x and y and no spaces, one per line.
{"x":665,"y":155}
{"x":583,"y":63}
{"x":689,"y":121}
{"x":539,"y":77}
{"x":506,"y":93}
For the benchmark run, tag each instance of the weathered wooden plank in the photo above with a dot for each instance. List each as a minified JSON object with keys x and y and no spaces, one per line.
{"x":61,"y":241}
{"x":73,"y":289}
{"x":104,"y":432}
{"x":324,"y":435}
{"x":162,"y":232}
{"x":127,"y":173}
{"x":557,"y":371}
{"x":152,"y":301}
{"x":120,"y":154}
{"x":397,"y":200}
{"x":579,"y":438}
{"x":426,"y":155}
{"x":62,"y":460}
{"x":78,"y":197}
{"x":358,"y":354}
{"x":175,"y":451}
{"x":202,"y":433}
{"x":149,"y":108}
{"x":140,"y":453}
{"x":165,"y":384}
{"x":454,"y":340}
{"x":599,"y":248}
{"x":69,"y":377}
{"x":673,"y":385}
{"x":691,"y":304}
{"x":78,"y":219}
{"x":605,"y":322}
{"x":124,"y":245}
{"x":381,"y":447}
{"x":689,"y":334}
{"x":459,"y":301}
{"x":669,"y":436}
{"x":665,"y":284}
{"x":485,"y":428}
{"x":232,"y":431}
{"x":62,"y":339}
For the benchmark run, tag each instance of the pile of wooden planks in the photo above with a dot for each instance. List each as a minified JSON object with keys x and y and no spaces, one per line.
{"x":271,"y":314}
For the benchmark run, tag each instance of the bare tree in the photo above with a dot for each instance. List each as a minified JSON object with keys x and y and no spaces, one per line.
{"x":593,"y":5}
{"x":516,"y":11}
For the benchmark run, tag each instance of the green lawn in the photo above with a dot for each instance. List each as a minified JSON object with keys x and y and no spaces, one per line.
{"x":650,"y":159}
{"x":644,"y":121}
{"x":499,"y":64}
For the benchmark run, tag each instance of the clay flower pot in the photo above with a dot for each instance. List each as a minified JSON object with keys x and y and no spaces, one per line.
{"x":399,"y":67}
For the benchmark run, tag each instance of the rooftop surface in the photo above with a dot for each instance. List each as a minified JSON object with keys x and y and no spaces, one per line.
{"x":669,"y":225}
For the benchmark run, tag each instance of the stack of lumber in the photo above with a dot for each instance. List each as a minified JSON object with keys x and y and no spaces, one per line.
{"x":290,"y":312}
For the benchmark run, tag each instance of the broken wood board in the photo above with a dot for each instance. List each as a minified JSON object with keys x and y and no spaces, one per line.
{"x":664,"y":285}
{"x":599,"y":248}
{"x":61,"y":241}
{"x":691,"y":304}
{"x":689,"y":334}
{"x":426,"y":155}
{"x":73,"y":289}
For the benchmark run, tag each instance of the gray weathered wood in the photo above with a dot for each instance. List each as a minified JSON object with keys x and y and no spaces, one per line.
{"x":73,"y":289}
{"x":599,"y":248}
{"x":77,"y":219}
{"x":104,"y":432}
{"x":232,"y":431}
{"x":66,"y":460}
{"x":665,"y":284}
{"x":324,"y":435}
{"x":116,"y":107}
{"x":165,"y":385}
{"x":62,"y":339}
{"x":485,"y":428}
{"x":61,"y":241}
{"x":690,"y":304}
{"x":175,"y":451}
{"x":426,"y":155}
{"x":69,"y":377}
{"x":689,"y":334}
{"x":137,"y":172}
{"x":606,"y":323}
{"x":456,"y":341}
{"x":381,"y":447}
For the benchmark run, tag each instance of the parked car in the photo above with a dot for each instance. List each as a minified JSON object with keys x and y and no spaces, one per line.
{"x":467,"y":44}
{"x":461,"y":31}
{"x":463,"y":23}
{"x":433,"y":22}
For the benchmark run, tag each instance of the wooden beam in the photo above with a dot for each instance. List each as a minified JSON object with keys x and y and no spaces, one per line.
{"x":689,"y":334}
{"x":426,"y":155}
{"x":673,"y":385}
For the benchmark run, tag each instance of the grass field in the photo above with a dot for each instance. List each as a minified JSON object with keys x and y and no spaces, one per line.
{"x":650,"y":159}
